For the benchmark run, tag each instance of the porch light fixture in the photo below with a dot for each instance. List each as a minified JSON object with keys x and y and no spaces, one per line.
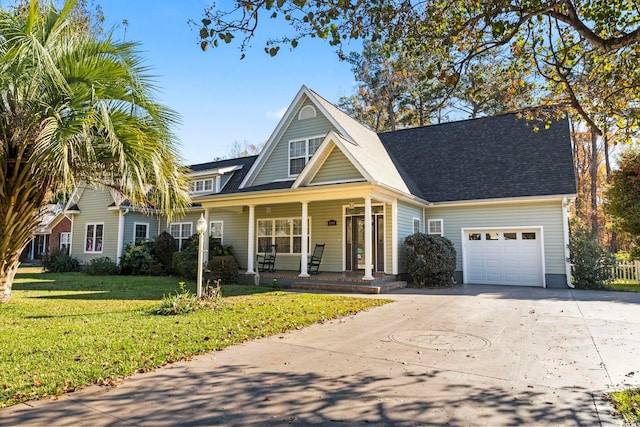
{"x":351,"y":204}
{"x":201,"y":228}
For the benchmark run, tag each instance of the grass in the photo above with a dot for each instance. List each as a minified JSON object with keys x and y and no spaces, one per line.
{"x":624,"y":287}
{"x":627,"y":403}
{"x":64,"y":331}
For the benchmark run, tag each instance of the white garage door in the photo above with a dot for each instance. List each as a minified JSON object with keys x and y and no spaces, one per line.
{"x":503,"y":256}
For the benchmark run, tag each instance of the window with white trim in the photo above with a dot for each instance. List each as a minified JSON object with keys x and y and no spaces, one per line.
{"x":300,"y":151}
{"x":64,"y":240}
{"x":417,"y":225}
{"x":140,"y":231}
{"x":180,"y":231}
{"x":286,"y":233}
{"x":215,"y":231}
{"x":203,"y":185}
{"x":93,"y":238}
{"x":435,"y":226}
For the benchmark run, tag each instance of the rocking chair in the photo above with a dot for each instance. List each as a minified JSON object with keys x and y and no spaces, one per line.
{"x":313,"y":267}
{"x":267,"y":261}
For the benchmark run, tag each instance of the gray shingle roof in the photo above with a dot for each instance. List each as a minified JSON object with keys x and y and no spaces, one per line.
{"x":486,"y":158}
{"x":234,"y":182}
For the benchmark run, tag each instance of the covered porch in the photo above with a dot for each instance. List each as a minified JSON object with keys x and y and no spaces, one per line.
{"x":297,"y":219}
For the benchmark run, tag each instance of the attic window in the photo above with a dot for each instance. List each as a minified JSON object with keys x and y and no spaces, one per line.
{"x":307,"y":112}
{"x":204,"y":185}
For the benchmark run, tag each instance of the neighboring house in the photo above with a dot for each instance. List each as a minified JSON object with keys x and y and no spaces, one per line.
{"x":54,"y":231}
{"x":498,"y":189}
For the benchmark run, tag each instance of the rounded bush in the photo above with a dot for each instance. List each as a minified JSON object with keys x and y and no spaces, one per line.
{"x":224,"y":267}
{"x":163,"y":249}
{"x":185,"y":262}
{"x":59,"y":261}
{"x":591,"y":265}
{"x":430,"y":260}
{"x":102,"y":266}
{"x":138,"y":260}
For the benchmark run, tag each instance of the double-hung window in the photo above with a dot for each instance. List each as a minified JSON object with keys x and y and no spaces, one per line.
{"x":215,"y":232}
{"x":140,"y":231}
{"x":300,"y":151}
{"x":65,"y":241}
{"x":180,"y":231}
{"x":435,"y":226}
{"x":286,"y":233}
{"x":417,"y":225}
{"x":93,"y":238}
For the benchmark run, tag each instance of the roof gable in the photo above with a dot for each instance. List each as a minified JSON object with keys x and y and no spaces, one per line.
{"x":332,"y":163}
{"x":337,"y":168}
{"x":357,"y":142}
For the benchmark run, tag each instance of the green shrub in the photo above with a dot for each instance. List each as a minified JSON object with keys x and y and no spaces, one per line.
{"x":216,"y":249}
{"x":59,"y":261}
{"x":138,"y":260}
{"x":224,"y":268}
{"x":164,"y":246}
{"x":102,"y":266}
{"x":634,"y":251}
{"x":430,"y":260}
{"x":184,"y":301}
{"x":185,"y":262}
{"x":591,"y":265}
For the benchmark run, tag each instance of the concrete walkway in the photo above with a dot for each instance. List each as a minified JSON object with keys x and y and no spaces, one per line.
{"x":471,"y":355}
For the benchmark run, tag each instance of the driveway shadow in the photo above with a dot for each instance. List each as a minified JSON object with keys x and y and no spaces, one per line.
{"x":246,"y":395}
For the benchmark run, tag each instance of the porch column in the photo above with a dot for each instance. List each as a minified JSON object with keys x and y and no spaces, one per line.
{"x":304,"y":246}
{"x":367,"y":240}
{"x":120,"y":243}
{"x":252,"y":240}
{"x":205,"y":238}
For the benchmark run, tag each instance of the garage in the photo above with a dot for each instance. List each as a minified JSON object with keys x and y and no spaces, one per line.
{"x":503,"y":256}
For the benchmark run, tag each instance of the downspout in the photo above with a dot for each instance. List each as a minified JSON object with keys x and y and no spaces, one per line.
{"x":565,"y":232}
{"x":121,"y":214}
{"x":71,"y":217}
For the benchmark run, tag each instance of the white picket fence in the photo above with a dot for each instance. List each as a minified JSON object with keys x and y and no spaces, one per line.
{"x":627,"y":271}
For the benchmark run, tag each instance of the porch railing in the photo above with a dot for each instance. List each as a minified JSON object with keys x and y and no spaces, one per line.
{"x":627,"y":271}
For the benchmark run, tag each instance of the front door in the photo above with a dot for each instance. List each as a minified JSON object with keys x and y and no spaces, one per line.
{"x":354,"y":240}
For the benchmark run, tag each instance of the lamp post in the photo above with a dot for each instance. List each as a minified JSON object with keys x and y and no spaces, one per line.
{"x":201,"y":228}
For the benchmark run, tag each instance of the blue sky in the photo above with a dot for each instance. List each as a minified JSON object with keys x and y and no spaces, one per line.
{"x":221,"y":98}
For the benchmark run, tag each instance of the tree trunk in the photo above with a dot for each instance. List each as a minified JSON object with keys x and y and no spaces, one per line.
{"x":613,"y":243}
{"x":594,"y":183}
{"x":20,"y":203}
{"x":7,"y":275}
{"x":392,"y":114}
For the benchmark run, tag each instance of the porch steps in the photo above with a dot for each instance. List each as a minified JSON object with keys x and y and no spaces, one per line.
{"x":348,"y":287}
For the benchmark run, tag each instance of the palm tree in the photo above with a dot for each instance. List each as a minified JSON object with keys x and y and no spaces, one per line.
{"x":75,"y":108}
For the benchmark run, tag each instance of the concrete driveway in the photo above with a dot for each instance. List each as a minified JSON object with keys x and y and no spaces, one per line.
{"x":470,"y":355}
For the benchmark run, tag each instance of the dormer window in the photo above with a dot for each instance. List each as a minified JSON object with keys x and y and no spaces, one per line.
{"x":307,"y":112}
{"x":204,"y":185}
{"x":300,"y":151}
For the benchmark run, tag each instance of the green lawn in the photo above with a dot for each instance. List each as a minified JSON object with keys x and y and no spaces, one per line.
{"x":624,"y":286}
{"x":627,"y":403}
{"x":61,"y":332}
